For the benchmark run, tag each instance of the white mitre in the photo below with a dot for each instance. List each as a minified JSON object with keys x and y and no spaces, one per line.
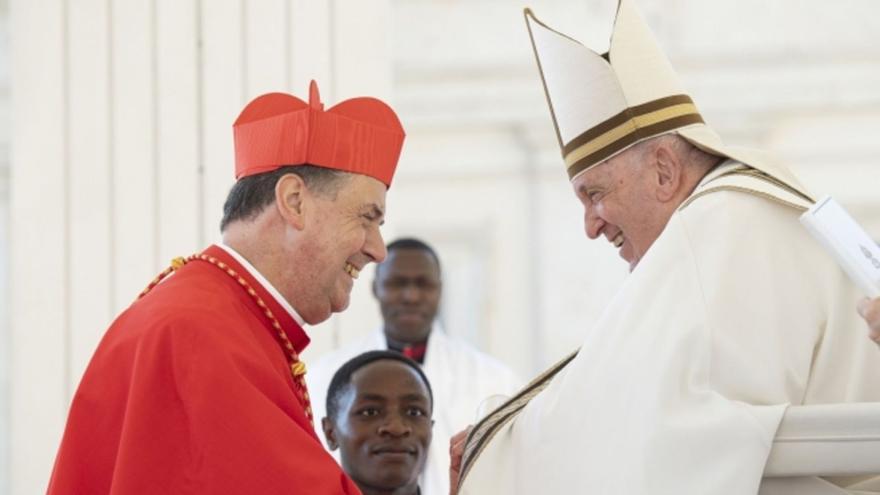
{"x":603,"y":104}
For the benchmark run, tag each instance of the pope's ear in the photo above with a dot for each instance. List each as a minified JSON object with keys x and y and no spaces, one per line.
{"x":668,"y":170}
{"x":329,"y":433}
{"x":291,"y":199}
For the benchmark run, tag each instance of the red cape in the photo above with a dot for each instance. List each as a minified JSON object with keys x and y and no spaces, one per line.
{"x":189,"y":392}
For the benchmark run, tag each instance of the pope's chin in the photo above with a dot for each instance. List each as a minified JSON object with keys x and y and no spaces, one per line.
{"x":627,"y":253}
{"x":633,"y":259}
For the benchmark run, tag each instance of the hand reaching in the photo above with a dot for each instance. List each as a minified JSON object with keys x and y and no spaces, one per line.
{"x":456,"y":449}
{"x":870,"y":311}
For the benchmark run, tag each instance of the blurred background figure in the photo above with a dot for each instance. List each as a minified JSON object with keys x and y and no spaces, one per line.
{"x":408,"y":287}
{"x":379,"y":407}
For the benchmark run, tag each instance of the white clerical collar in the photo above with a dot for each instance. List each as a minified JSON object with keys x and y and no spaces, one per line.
{"x":265,"y":283}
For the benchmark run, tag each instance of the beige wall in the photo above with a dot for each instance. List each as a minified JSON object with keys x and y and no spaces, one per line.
{"x":122,"y":154}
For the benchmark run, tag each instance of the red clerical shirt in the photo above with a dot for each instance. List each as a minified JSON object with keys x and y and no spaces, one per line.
{"x":189,"y":392}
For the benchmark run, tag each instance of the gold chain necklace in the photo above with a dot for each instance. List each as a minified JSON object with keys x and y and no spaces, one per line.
{"x":297,"y":367}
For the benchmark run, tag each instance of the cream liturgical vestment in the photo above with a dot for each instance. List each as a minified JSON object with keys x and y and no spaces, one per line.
{"x":733,"y":314}
{"x":461,"y":379}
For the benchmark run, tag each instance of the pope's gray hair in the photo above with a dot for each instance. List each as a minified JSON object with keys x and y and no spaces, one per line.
{"x":689,"y":154}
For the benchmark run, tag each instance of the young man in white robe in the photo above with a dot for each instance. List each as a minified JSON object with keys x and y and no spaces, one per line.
{"x":408,"y":288}
{"x":730,"y":314}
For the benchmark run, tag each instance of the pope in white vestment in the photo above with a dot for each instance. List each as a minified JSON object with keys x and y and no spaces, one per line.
{"x":461,"y":378}
{"x":679,"y":388}
{"x":733,"y":313}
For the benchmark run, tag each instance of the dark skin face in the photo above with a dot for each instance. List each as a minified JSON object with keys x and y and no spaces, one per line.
{"x":383,"y":428}
{"x":408,"y":288}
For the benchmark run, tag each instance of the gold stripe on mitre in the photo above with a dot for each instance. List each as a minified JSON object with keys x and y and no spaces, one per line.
{"x":633,"y":124}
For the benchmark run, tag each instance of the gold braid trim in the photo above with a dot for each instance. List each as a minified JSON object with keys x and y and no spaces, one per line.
{"x":481,"y":435}
{"x":756,"y":175}
{"x":297,"y":367}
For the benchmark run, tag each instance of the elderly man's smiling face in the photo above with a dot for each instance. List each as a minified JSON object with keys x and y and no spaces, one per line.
{"x":342,"y":237}
{"x":383,"y":426}
{"x":620,"y":199}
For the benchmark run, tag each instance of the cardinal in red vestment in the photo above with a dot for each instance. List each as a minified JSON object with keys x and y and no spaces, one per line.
{"x":198,"y":387}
